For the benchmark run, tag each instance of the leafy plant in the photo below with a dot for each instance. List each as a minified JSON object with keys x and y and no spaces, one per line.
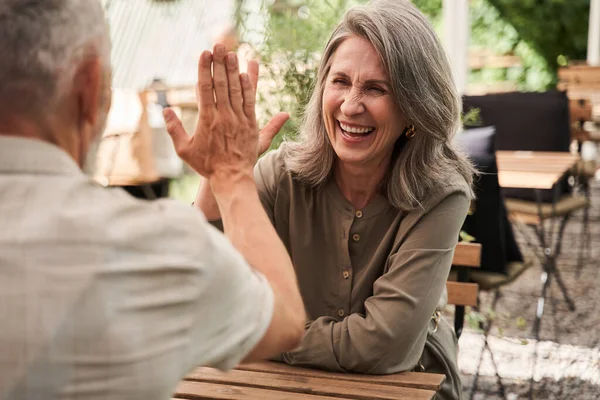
{"x":553,"y":28}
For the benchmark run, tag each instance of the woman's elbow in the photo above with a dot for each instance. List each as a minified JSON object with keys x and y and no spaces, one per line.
{"x":294,"y":334}
{"x":382,"y":360}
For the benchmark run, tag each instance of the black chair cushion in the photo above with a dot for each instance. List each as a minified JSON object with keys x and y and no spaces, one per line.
{"x":488,"y":221}
{"x":478,"y":141}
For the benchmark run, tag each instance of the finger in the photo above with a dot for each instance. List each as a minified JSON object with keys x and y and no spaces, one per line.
{"x":176,"y":130}
{"x":220,"y":77}
{"x":253,"y":72}
{"x":204,"y":88}
{"x":249,"y":94}
{"x":235,"y":87}
{"x":274,"y":126}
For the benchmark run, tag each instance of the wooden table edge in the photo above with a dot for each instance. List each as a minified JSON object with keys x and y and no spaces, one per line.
{"x":279,"y":368}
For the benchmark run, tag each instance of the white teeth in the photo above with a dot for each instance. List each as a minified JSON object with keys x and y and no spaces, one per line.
{"x":355,"y":130}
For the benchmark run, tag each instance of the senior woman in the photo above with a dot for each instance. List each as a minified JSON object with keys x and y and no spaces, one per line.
{"x":371,"y":197}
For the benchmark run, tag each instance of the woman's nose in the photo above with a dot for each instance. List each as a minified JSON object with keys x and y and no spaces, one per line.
{"x":352,"y":104}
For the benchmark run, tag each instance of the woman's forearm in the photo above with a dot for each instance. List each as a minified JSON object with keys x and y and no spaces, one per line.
{"x":206,"y":202}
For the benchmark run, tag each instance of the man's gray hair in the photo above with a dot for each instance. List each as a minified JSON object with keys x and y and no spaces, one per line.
{"x":41,"y":43}
{"x":423,"y":89}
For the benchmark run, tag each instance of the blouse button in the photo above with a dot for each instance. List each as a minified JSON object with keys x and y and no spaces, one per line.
{"x":358,"y":214}
{"x":341,"y":312}
{"x":356,"y":237}
{"x":346,"y":274}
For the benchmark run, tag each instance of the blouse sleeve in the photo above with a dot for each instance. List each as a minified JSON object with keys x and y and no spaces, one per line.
{"x":389,"y":337}
{"x":267,"y":173}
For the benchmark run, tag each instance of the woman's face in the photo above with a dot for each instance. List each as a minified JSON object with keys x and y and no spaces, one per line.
{"x":361,"y":119}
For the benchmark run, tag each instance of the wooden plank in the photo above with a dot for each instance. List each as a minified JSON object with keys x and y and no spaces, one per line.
{"x":547,"y":156}
{"x":546,"y":168}
{"x":525,"y":158}
{"x":419,"y":380}
{"x":577,"y":91}
{"x":549,"y":160}
{"x":201,"y":390}
{"x":534,"y":170}
{"x":308,"y":385}
{"x":462,"y":294}
{"x":580,"y":110}
{"x":467,"y":255}
{"x":478,"y":60}
{"x":579,"y":74}
{"x":527,"y":180}
{"x":531,"y":158}
{"x":525,"y":218}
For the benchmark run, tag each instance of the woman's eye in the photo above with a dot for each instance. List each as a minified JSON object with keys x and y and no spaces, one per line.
{"x":376,"y":89}
{"x":339,"y":81}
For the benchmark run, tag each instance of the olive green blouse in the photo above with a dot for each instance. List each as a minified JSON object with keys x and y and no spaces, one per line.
{"x":370,"y":278}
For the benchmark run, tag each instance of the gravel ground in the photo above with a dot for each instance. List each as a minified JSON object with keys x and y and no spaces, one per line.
{"x":565,"y":362}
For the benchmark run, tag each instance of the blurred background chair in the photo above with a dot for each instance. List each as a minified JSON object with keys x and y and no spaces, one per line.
{"x":501,"y":258}
{"x":536,"y":121}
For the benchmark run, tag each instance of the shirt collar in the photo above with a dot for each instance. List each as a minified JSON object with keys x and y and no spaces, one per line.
{"x":378,"y":204}
{"x":33,"y":156}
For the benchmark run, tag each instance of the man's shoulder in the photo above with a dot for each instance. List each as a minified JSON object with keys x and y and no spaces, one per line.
{"x":115,"y":217}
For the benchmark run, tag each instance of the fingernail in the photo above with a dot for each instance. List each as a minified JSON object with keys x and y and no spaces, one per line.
{"x":245,"y":79}
{"x":220,"y":49}
{"x":231,"y":59}
{"x":166,"y":114}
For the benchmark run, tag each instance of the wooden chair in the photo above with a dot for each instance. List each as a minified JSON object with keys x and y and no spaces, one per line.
{"x":460,"y":292}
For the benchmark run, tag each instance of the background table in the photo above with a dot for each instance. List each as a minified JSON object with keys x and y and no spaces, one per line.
{"x":275,"y":381}
{"x":538,"y":171}
{"x":533,"y":169}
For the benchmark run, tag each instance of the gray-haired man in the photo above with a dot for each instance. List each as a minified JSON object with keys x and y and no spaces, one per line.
{"x":103,"y":296}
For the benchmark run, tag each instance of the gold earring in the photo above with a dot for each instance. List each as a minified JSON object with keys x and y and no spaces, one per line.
{"x":410,"y":131}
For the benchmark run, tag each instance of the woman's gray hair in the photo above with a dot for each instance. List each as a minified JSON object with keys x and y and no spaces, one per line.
{"x":423,"y":89}
{"x":41,"y":45}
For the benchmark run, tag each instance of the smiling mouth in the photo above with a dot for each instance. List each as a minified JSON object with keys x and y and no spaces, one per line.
{"x":353,"y":132}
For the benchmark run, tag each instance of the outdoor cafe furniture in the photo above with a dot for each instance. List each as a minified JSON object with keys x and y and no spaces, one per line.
{"x":135,"y":151}
{"x":462,"y":292}
{"x":532,"y":121}
{"x":541,"y":171}
{"x":275,"y":381}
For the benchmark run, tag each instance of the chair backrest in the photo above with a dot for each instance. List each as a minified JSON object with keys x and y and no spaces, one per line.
{"x":460,"y":292}
{"x":535,"y":121}
{"x":488,"y":220}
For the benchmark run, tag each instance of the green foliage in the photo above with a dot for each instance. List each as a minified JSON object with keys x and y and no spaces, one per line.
{"x":432,"y":9}
{"x":553,"y":28}
{"x":543,"y":33}
{"x":490,"y":30}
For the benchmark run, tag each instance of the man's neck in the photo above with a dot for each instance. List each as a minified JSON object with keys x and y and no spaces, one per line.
{"x":24,"y":128}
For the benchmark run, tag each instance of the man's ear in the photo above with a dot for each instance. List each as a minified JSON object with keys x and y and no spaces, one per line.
{"x":87,"y":86}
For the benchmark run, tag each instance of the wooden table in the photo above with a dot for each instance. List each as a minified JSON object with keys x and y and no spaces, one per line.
{"x":539,"y":171}
{"x":275,"y":381}
{"x":533,"y":169}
